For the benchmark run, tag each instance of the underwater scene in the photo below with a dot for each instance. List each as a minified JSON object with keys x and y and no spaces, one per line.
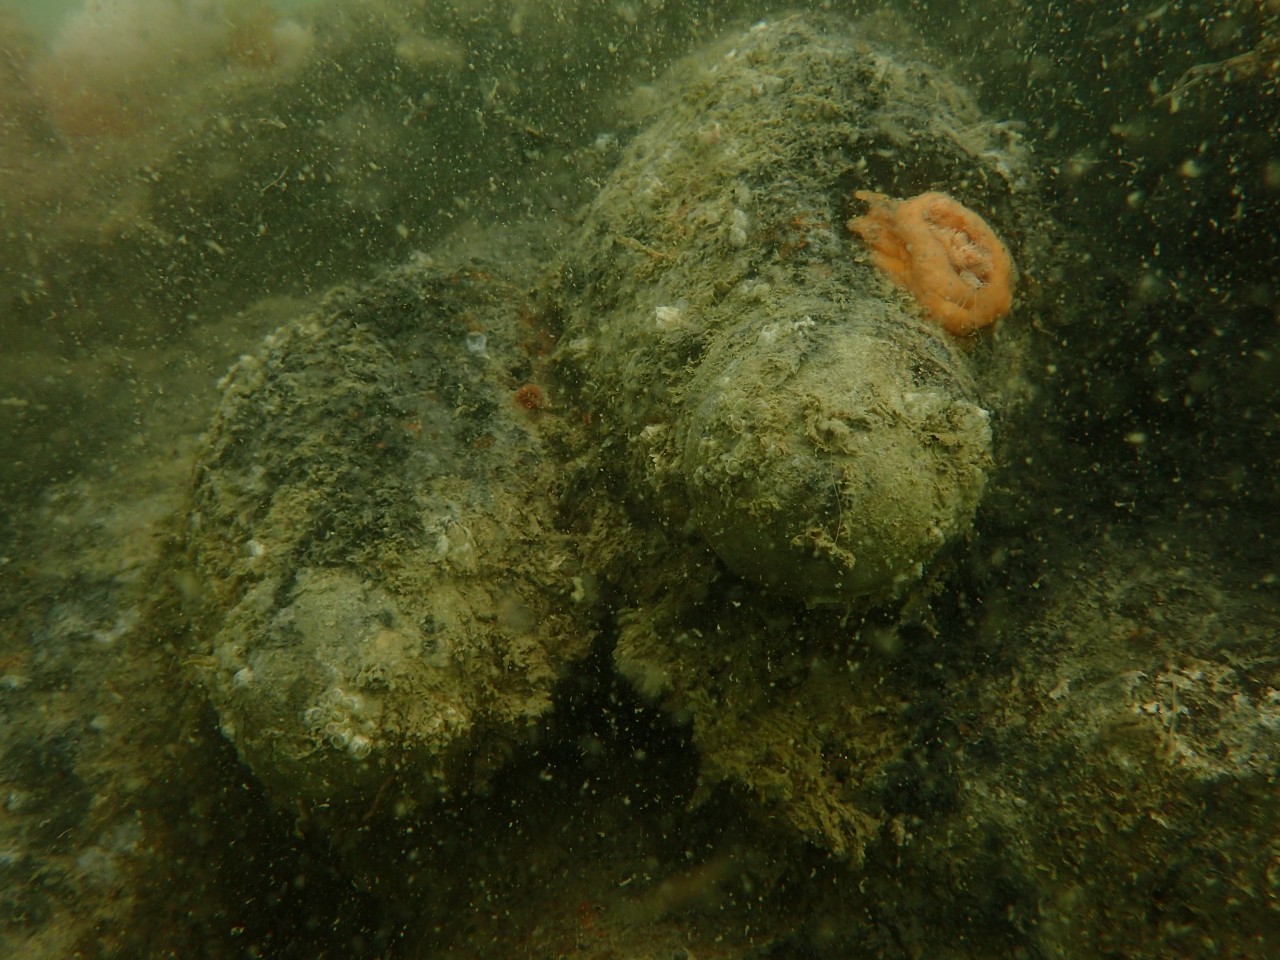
{"x":595,"y":479}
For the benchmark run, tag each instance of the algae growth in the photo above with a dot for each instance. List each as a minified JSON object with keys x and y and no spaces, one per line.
{"x":547,"y":531}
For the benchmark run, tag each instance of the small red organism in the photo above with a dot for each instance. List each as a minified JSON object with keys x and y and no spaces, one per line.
{"x":530,"y":397}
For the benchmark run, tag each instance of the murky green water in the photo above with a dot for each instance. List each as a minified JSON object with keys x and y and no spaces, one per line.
{"x":552,"y":575}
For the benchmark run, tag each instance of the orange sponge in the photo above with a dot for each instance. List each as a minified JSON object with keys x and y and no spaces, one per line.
{"x":943,"y":254}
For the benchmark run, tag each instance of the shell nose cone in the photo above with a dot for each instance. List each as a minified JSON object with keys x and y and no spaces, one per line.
{"x":835,"y":469}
